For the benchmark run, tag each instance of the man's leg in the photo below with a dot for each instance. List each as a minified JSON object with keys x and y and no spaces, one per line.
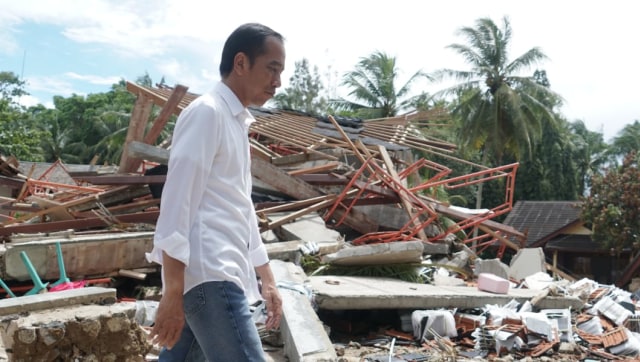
{"x":186,"y":350}
{"x":219,"y":316}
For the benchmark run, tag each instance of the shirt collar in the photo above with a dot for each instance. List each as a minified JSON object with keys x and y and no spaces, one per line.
{"x":239,"y":111}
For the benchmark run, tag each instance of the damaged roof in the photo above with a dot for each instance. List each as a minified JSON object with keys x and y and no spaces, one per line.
{"x":542,"y":220}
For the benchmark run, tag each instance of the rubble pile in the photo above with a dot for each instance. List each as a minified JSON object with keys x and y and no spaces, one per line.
{"x":605,"y":328}
{"x":345,"y":191}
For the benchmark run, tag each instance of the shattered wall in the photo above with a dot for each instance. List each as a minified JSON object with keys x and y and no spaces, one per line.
{"x":81,"y":332}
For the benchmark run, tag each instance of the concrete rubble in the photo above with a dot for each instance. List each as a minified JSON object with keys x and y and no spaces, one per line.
{"x":355,"y":235}
{"x":79,"y":324}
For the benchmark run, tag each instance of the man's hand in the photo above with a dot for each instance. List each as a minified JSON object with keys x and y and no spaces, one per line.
{"x":169,"y":321}
{"x":271,"y":297}
{"x":274,"y":305}
{"x":170,"y":314}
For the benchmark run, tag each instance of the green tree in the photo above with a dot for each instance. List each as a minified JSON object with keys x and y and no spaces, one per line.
{"x":372,"y":87}
{"x":304,"y":91}
{"x":94,"y":125}
{"x":500,"y":112}
{"x":553,"y":171}
{"x":613,"y":206}
{"x":626,"y":141}
{"x":590,"y":154}
{"x":17,"y":134}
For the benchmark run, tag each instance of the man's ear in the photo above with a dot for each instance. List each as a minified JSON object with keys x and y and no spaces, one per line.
{"x":240,"y":63}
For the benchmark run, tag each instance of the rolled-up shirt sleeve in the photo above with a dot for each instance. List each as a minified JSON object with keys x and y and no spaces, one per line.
{"x":257,"y":249}
{"x":193,"y":150}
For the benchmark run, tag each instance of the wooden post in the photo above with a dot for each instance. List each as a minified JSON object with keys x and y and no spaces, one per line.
{"x":408,"y":206}
{"x":135,"y":132}
{"x":555,"y":263}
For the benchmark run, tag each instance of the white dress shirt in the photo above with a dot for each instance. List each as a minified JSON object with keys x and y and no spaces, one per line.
{"x":207,"y":218}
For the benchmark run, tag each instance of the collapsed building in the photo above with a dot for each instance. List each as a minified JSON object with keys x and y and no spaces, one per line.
{"x":346,"y":193}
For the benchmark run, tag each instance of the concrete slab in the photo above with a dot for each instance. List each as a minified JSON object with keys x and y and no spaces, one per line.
{"x":289,"y":250}
{"x":309,"y":227}
{"x":84,"y":255}
{"x":341,"y":293}
{"x":492,"y":266}
{"x":63,"y":298}
{"x":304,"y":336}
{"x":526,"y":262}
{"x":378,"y":254}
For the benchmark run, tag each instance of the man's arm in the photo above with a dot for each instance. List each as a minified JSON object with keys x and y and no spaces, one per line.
{"x":170,"y":314}
{"x":271,"y":296}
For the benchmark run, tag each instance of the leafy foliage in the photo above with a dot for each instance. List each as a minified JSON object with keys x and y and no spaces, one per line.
{"x":613,"y":206}
{"x":373,"y":89}
{"x":18,"y":135}
{"x":501,"y":112}
{"x":304,"y":91}
{"x":625,"y":142}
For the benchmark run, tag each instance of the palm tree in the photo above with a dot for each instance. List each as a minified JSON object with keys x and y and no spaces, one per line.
{"x":500,"y":112}
{"x":373,"y":88}
{"x":627,"y":141}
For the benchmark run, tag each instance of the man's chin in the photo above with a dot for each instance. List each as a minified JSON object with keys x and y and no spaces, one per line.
{"x":259,"y":103}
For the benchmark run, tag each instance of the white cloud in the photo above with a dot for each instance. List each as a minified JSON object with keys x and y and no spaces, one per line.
{"x":591,"y":49}
{"x":29,"y":101}
{"x":94,"y":79}
{"x":51,"y":85}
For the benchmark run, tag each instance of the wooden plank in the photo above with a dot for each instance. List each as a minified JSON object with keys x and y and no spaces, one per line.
{"x":296,"y":204}
{"x":57,"y":213}
{"x":297,"y":214}
{"x":258,"y":150}
{"x":320,"y":168}
{"x":12,"y":182}
{"x":167,"y":110}
{"x":127,"y":208}
{"x":298,"y":189}
{"x":79,"y":224}
{"x":125,"y":179}
{"x":348,"y":141}
{"x":301,"y":157}
{"x":404,"y":200}
{"x":137,"y":149}
{"x":135,"y":132}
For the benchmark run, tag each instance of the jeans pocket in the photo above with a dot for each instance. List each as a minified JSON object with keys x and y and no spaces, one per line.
{"x":194,"y":300}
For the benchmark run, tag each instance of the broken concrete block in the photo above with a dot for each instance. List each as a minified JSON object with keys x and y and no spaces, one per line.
{"x":65,"y":334}
{"x":89,"y":295}
{"x":527,"y":262}
{"x":435,"y":248}
{"x":378,"y":254}
{"x":310,"y":227}
{"x":304,"y":336}
{"x":492,"y":283}
{"x":492,"y":266}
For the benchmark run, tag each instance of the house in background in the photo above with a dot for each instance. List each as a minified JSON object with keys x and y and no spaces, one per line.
{"x":555,"y":226}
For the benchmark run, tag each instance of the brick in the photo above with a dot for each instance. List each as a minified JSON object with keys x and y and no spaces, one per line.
{"x":492,"y":283}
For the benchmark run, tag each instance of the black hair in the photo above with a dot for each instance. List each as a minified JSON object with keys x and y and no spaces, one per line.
{"x":248,"y":39}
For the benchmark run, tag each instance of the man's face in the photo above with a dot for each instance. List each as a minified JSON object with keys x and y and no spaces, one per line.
{"x":264,"y":74}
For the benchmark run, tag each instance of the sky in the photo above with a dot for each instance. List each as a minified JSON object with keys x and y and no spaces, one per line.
{"x":67,"y":47}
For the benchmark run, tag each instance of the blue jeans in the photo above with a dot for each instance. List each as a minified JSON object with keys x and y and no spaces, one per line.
{"x":218,"y":327}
